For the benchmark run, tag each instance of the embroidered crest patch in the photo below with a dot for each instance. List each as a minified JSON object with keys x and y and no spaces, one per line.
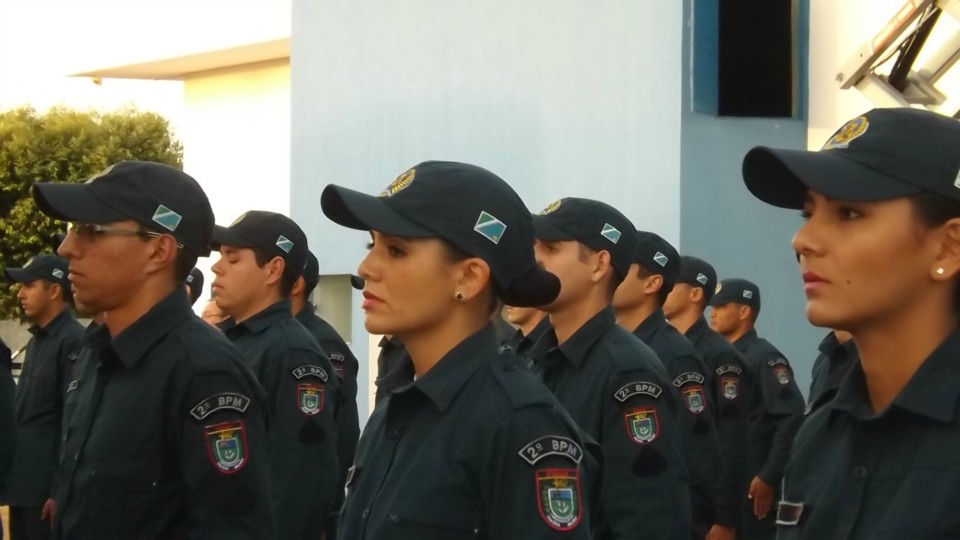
{"x":284,"y":243}
{"x":850,"y":131}
{"x":552,"y":207}
{"x":643,"y":427}
{"x":730,"y":387}
{"x":661,"y":259}
{"x":693,"y":396}
{"x":310,"y":398}
{"x":551,"y":445}
{"x":402,"y":182}
{"x":559,"y":498}
{"x":219,"y":402}
{"x":783,"y":375}
{"x":702,"y":279}
{"x":227,"y":446}
{"x":611,"y":233}
{"x":166,"y":218}
{"x":490,"y":227}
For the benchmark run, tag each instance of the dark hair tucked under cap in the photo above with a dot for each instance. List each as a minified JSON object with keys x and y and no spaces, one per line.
{"x":883,"y":154}
{"x":157,"y":196}
{"x":465,"y":205}
{"x":274,"y":234}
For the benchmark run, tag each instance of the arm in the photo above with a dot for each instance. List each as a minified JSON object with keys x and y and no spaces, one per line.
{"x":783,"y":401}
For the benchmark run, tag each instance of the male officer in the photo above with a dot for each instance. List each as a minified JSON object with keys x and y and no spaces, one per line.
{"x":167,"y":438}
{"x":8,"y":425}
{"x":44,"y":296}
{"x":531,"y":323}
{"x":837,"y":355}
{"x":194,"y":285}
{"x":262,"y":255}
{"x":779,"y":412}
{"x":612,"y":384}
{"x":343,"y":362}
{"x":638,"y":306}
{"x":732,"y":391}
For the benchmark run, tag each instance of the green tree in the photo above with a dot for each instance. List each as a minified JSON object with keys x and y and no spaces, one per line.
{"x":63,"y":145}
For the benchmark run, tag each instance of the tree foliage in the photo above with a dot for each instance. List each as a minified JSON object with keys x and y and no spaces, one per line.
{"x":63,"y":145}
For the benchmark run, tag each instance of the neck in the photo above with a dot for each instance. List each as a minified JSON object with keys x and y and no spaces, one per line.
{"x":684,"y":319}
{"x":426,"y":347}
{"x":48,"y":317}
{"x":257,"y":306}
{"x":150,"y":294}
{"x":738,"y":333}
{"x":630,"y":319}
{"x":567,"y":321}
{"x":892,"y":351}
{"x":297,"y":303}
{"x":532,"y":323}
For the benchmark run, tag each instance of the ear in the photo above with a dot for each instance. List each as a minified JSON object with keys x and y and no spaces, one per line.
{"x":601,"y":265}
{"x":56,"y":291}
{"x":696,"y":294}
{"x":948,"y":253}
{"x":744,"y":312}
{"x":274,"y":270}
{"x":298,"y":286}
{"x":652,"y":284}
{"x":163,"y":253}
{"x":472,"y":279}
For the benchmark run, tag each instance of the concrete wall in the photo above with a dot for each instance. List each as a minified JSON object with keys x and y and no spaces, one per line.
{"x":560,"y":97}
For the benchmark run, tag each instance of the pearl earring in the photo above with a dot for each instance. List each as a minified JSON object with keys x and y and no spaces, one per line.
{"x":940,"y":271}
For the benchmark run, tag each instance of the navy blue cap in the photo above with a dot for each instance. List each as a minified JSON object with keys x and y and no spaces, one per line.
{"x":736,"y":290}
{"x":274,"y":234}
{"x":698,"y":273}
{"x":195,"y":282}
{"x":658,"y":257}
{"x":48,"y":267}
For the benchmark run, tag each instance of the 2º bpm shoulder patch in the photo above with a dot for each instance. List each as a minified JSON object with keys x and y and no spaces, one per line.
{"x":310,"y":371}
{"x":551,"y":445}
{"x":637,"y":388}
{"x":220,"y":402}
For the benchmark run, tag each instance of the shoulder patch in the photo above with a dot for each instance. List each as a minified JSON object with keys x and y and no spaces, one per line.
{"x":688,"y":377}
{"x":310,"y":371}
{"x":777,"y":362}
{"x":643,"y":425}
{"x":730,"y":387}
{"x":335,"y":357}
{"x":629,"y":390}
{"x":310,"y":398}
{"x":783,"y":375}
{"x":218,"y":402}
{"x":729,"y":368}
{"x":558,"y":494}
{"x":551,"y":445}
{"x":227,"y":446}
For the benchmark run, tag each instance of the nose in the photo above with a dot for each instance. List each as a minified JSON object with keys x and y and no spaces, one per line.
{"x":216,"y":269}
{"x":67,"y":248}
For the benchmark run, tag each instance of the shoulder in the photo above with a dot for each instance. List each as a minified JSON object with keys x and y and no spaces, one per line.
{"x":202,"y":348}
{"x":622,"y":352}
{"x":520,"y":387}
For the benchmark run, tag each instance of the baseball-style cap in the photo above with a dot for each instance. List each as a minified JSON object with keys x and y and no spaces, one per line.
{"x":157,"y":196}
{"x":465,"y":205}
{"x":274,"y":234}
{"x":195,"y":282}
{"x":658,"y":257}
{"x":47,"y":267}
{"x":595,"y":224}
{"x":736,"y":290}
{"x":698,"y":273}
{"x":883,"y":154}
{"x":311,"y":272}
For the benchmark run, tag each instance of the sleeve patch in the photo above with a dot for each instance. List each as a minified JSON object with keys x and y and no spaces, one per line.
{"x":219,"y":402}
{"x":629,"y":390}
{"x":310,"y":398}
{"x":310,"y":371}
{"x":688,"y":377}
{"x":227,"y":446}
{"x":335,"y":357}
{"x":643,"y":426}
{"x":551,"y":445}
{"x":558,"y":494}
{"x":729,"y":368}
{"x":783,"y":375}
{"x":731,"y":387}
{"x":777,"y":362}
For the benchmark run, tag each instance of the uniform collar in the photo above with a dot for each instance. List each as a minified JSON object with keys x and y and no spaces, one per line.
{"x":578,"y":346}
{"x":746,"y":339}
{"x":443,"y":382}
{"x":931,"y":392}
{"x":137,"y":339}
{"x":306,"y":312}
{"x":832,"y":347}
{"x":54,"y":325}
{"x":538,"y":331}
{"x":266,"y":318}
{"x":650,"y":326}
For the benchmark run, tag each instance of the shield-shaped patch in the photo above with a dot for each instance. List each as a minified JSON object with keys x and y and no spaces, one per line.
{"x":227,"y":446}
{"x":731,"y":387}
{"x":783,"y":375}
{"x":310,"y":398}
{"x":559,"y":498}
{"x":642,"y":425}
{"x":694,"y":397}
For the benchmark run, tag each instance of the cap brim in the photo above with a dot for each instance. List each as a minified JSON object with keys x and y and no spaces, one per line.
{"x":73,"y":202}
{"x":535,"y":288}
{"x":225,"y":236}
{"x":782,"y":177}
{"x":19,"y":275}
{"x":364,"y":212}
{"x":545,"y":229}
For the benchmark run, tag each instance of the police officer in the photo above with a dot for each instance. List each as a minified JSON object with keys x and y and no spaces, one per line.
{"x":394,"y":367}
{"x":778,"y":413}
{"x":194,"y":285}
{"x":531,"y":325}
{"x":638,"y":305}
{"x":262,"y":255}
{"x":612,"y":384}
{"x":837,"y":355}
{"x":475,"y":447}
{"x":8,"y":425}
{"x":343,"y":361}
{"x":879,"y":258}
{"x":733,"y":391}
{"x":44,"y":296}
{"x":167,"y":438}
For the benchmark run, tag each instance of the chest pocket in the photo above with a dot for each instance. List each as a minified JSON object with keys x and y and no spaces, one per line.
{"x":426,"y":523}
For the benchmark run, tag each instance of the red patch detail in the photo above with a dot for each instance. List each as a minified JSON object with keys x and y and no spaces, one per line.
{"x":643,"y":426}
{"x":227,"y":446}
{"x":310,"y":398}
{"x":558,"y":498}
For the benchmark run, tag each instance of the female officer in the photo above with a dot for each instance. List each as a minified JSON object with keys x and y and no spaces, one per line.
{"x":474,"y":447}
{"x":880,"y":256}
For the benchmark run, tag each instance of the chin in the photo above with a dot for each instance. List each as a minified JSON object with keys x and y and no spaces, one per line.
{"x":819,"y":315}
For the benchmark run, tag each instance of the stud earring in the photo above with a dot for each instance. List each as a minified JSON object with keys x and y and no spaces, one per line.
{"x":459,"y":296}
{"x":940,"y":271}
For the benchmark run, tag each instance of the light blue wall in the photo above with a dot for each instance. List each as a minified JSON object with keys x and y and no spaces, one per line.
{"x":725,"y":225}
{"x":559,"y":97}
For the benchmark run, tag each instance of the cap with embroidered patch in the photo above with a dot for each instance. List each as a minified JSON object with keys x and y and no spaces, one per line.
{"x":595,"y":224}
{"x":195,"y":282}
{"x":883,"y":154}
{"x":48,"y":267}
{"x":698,"y":273}
{"x":658,"y":257}
{"x":465,"y":205}
{"x":736,"y":290}
{"x":159,"y":197}
{"x":274,"y":234}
